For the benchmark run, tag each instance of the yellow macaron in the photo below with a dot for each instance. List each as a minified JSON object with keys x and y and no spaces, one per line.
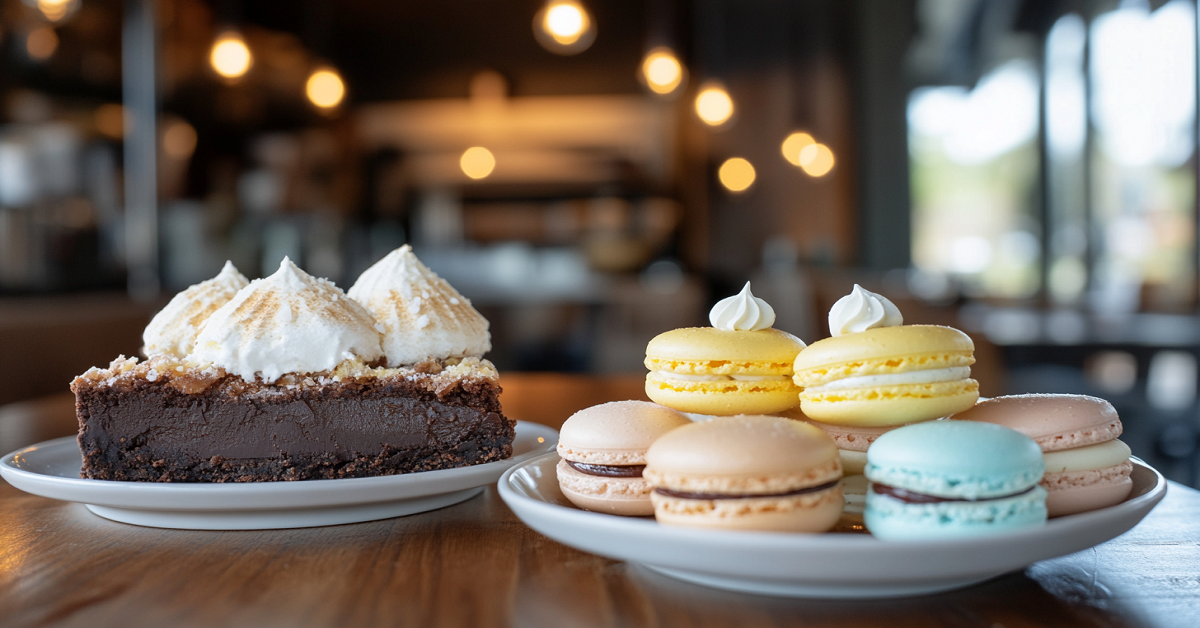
{"x":887,"y":376}
{"x":738,"y":366}
{"x":712,"y":371}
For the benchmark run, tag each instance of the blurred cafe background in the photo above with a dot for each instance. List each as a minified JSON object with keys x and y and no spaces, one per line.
{"x":593,"y":172}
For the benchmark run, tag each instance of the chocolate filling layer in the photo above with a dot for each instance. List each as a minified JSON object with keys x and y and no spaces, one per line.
{"x":607,"y":470}
{"x":800,"y":491}
{"x":910,"y":497}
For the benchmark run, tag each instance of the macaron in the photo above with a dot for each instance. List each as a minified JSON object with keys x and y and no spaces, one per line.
{"x":746,"y":472}
{"x":740,"y":365}
{"x":603,"y":450}
{"x":951,"y":479}
{"x":1086,"y":466}
{"x":887,"y":376}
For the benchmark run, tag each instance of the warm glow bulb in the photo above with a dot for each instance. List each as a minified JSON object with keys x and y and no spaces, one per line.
{"x":477,"y":162}
{"x":565,"y":22}
{"x":41,"y":43}
{"x":325,"y":88}
{"x":736,"y":174}
{"x":794,"y":144}
{"x":714,"y":106}
{"x":230,"y":56}
{"x":816,"y":160}
{"x":662,"y":71}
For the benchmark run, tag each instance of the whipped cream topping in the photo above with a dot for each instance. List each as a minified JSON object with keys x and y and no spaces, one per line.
{"x":420,"y":315}
{"x":928,"y":376}
{"x":290,"y":322}
{"x":172,"y":332}
{"x":862,"y":310}
{"x":742,"y":312}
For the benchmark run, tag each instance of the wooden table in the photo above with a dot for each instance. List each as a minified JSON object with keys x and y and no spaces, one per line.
{"x":475,"y":564}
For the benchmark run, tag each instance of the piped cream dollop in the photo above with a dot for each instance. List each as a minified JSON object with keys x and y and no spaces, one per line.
{"x":172,"y":332}
{"x":290,"y":322}
{"x":420,"y":315}
{"x":862,"y":310}
{"x":742,"y":312}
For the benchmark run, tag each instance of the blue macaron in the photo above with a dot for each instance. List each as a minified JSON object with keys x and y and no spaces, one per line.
{"x":951,"y":479}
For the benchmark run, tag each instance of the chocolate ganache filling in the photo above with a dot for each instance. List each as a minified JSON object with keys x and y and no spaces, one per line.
{"x":910,"y":497}
{"x":800,"y":491}
{"x":608,"y":471}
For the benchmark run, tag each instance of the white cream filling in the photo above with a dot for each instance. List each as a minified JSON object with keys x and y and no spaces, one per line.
{"x":929,"y":376}
{"x":721,"y":378}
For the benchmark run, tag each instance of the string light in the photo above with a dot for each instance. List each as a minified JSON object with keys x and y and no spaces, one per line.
{"x":713,"y":105}
{"x":736,"y":174}
{"x":661,"y":71}
{"x":325,"y":88}
{"x":477,"y":162}
{"x":564,"y":27}
{"x":230,"y":55}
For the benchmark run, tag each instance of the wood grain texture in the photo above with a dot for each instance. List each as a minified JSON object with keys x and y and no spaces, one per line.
{"x":475,"y":564}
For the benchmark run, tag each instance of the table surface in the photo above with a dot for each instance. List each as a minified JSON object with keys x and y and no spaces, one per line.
{"x":476,"y":564}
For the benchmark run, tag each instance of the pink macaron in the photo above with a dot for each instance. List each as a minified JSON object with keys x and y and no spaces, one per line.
{"x":1086,"y":466}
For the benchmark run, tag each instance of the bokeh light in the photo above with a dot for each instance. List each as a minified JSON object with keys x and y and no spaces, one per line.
{"x":230,"y":55}
{"x":41,"y":43}
{"x":564,"y":27}
{"x":816,"y":160}
{"x":795,"y":143}
{"x":662,"y":71}
{"x":477,"y":162}
{"x":325,"y":88}
{"x":736,"y":174}
{"x":713,"y":105}
{"x":179,"y":139}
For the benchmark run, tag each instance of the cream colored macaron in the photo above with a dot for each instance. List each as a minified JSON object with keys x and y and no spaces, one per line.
{"x":746,"y":473}
{"x":603,"y":450}
{"x":717,"y":372}
{"x":887,"y":376}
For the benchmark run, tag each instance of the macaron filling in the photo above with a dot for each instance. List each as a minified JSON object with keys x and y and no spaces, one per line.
{"x":608,"y":470}
{"x":913,"y":497}
{"x":710,"y":496}
{"x":930,"y":376}
{"x":719,"y":378}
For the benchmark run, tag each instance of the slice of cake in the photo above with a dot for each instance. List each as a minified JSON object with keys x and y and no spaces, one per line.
{"x":289,"y":379}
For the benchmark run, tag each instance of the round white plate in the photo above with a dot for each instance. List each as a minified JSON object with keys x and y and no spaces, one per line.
{"x":813,"y":565}
{"x":51,"y":469}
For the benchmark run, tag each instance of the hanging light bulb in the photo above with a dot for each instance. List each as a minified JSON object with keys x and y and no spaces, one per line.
{"x":661,"y":71}
{"x":325,"y":88}
{"x":713,"y":104}
{"x":736,"y":174}
{"x":564,"y":27}
{"x":230,"y":56}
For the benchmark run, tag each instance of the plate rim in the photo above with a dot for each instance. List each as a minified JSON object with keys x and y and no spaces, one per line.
{"x":250,"y":496}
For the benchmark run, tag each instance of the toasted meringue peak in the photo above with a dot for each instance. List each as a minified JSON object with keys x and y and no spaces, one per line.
{"x":290,"y":322}
{"x":172,"y":332}
{"x":421,"y":316}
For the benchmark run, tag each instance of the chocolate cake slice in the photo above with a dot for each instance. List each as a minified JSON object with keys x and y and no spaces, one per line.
{"x":165,"y":421}
{"x":287,"y":378}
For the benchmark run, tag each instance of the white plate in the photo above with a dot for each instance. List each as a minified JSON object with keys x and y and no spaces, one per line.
{"x":51,"y":469}
{"x":813,"y":565}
